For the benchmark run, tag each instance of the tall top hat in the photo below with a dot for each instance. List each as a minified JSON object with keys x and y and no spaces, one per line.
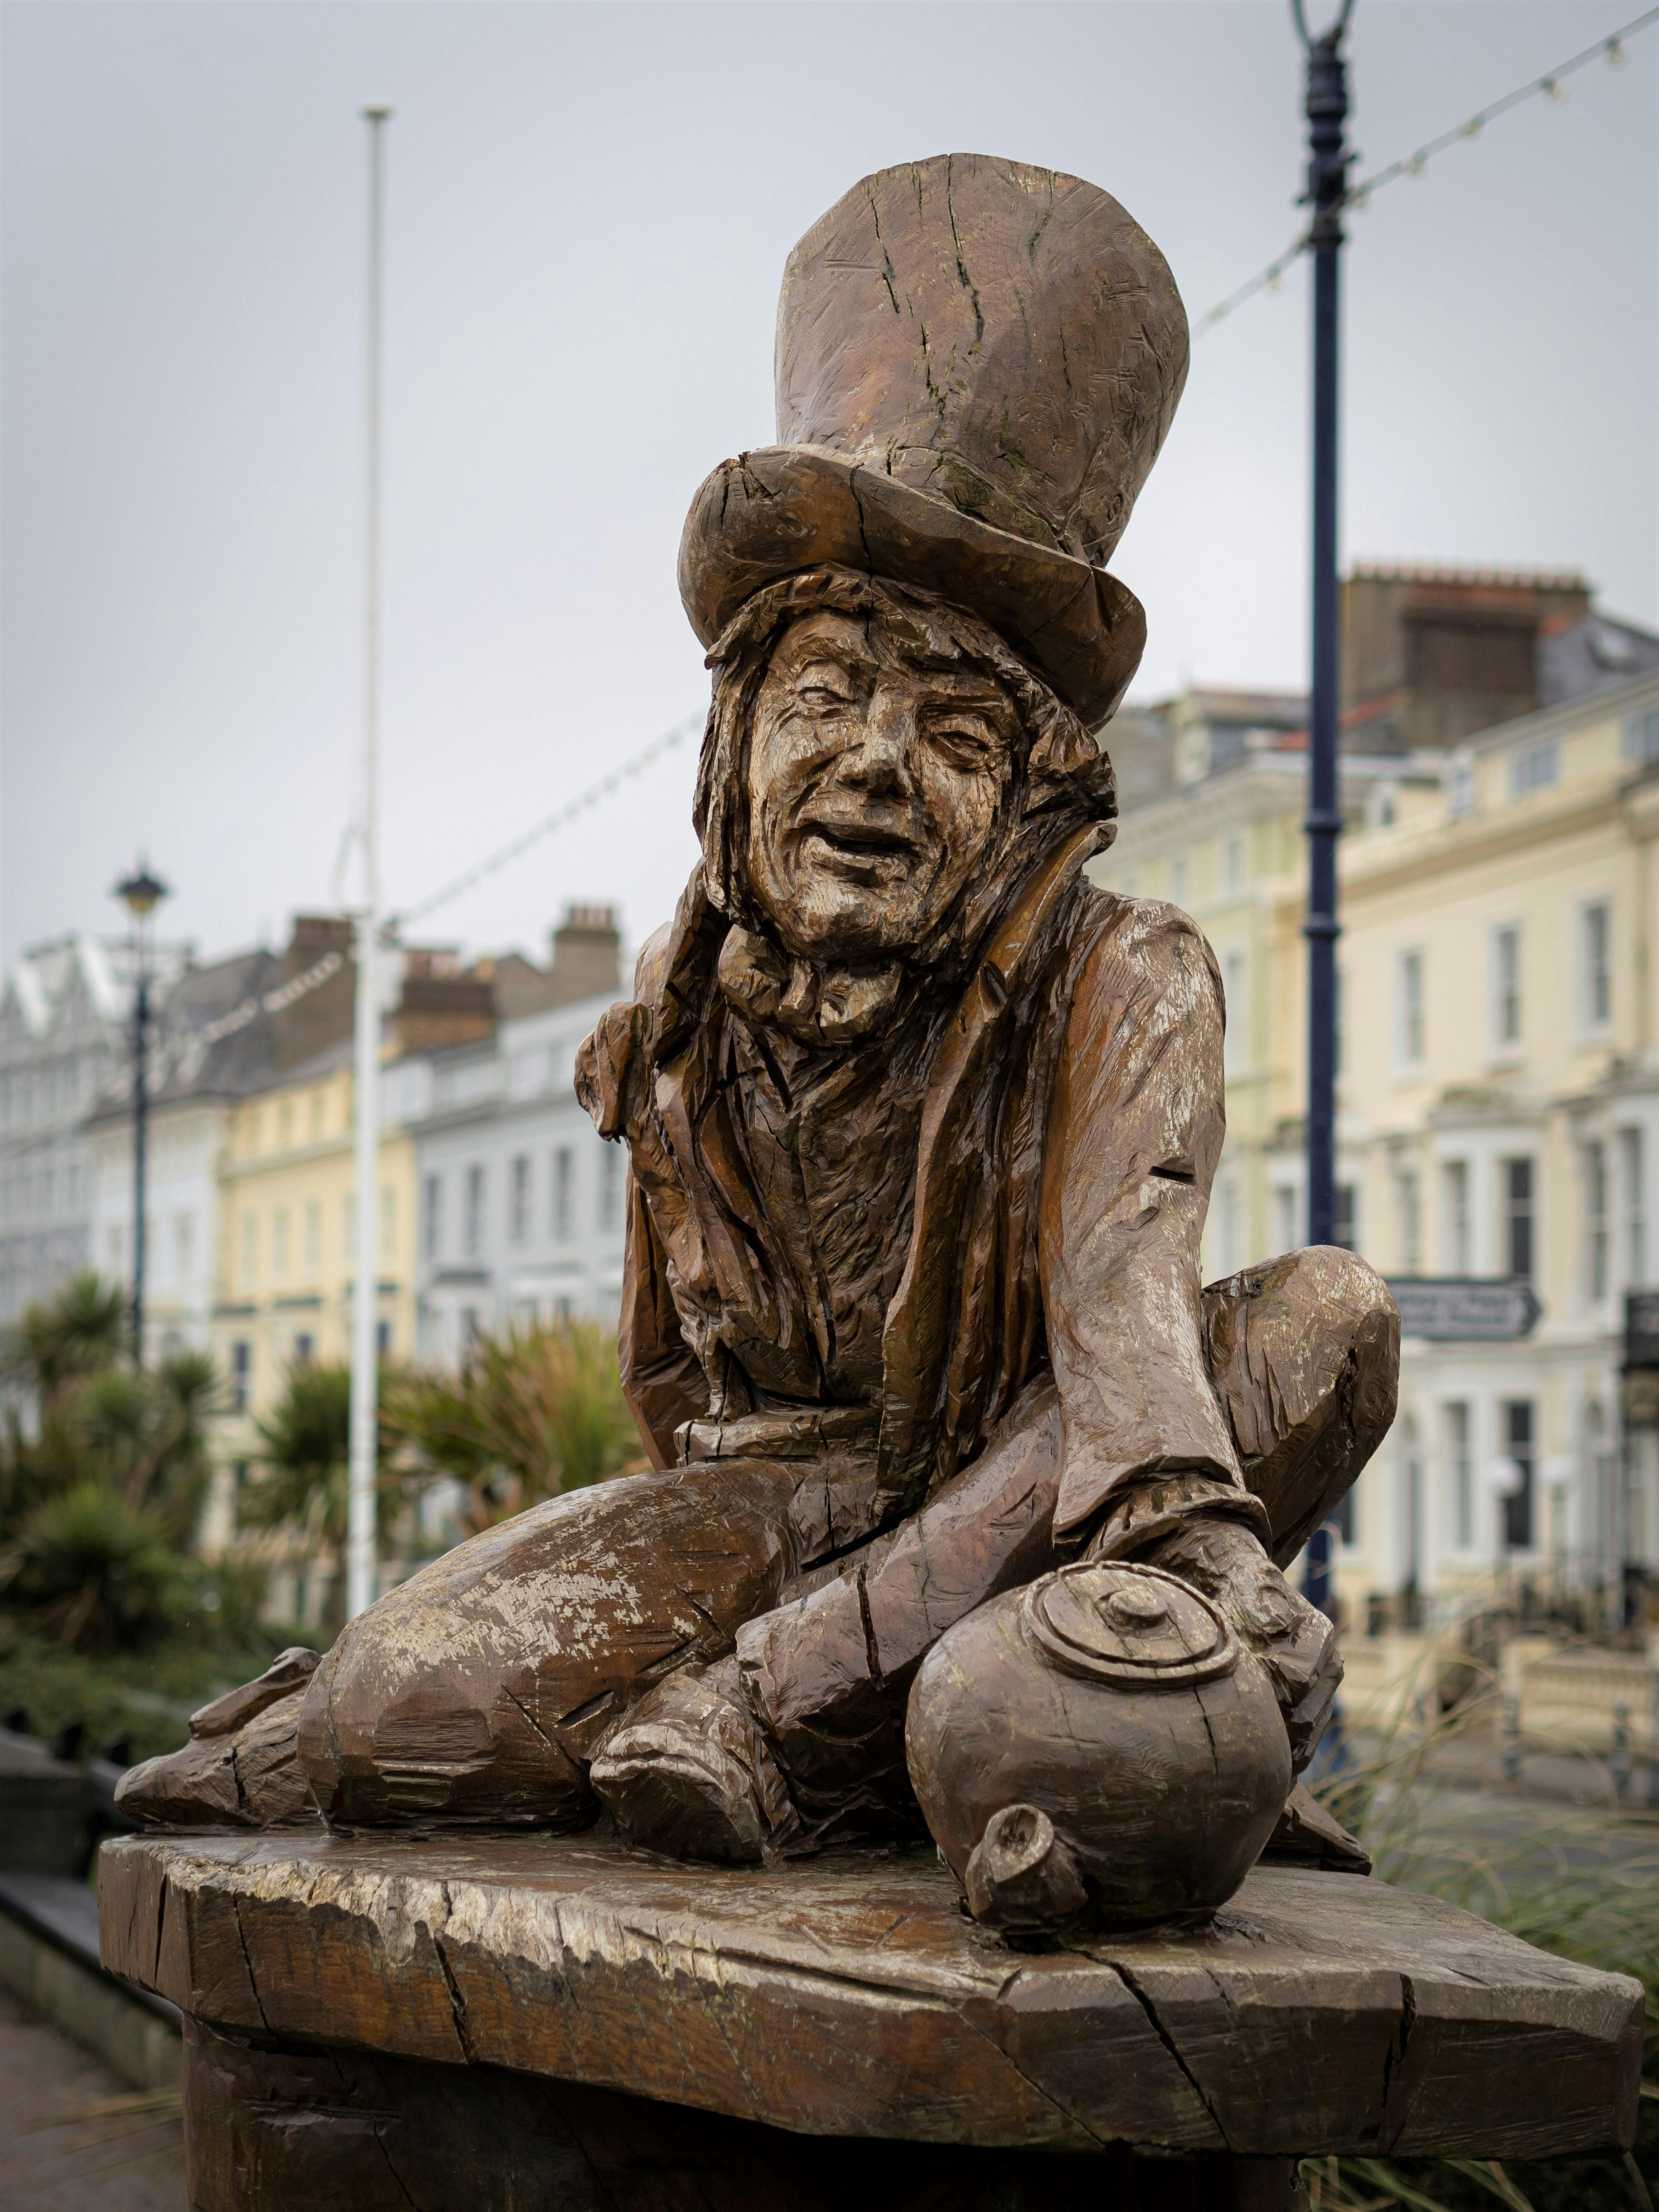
{"x":977,"y":362}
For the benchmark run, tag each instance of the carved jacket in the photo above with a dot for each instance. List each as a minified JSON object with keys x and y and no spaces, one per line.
{"x":1069,"y":1125}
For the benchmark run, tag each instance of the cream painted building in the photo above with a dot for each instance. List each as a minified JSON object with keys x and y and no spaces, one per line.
{"x":1498,"y":1117}
{"x":1498,"y":1100}
{"x":287,"y":1227}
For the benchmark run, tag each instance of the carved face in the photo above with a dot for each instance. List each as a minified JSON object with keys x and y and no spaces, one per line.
{"x":875,"y":786}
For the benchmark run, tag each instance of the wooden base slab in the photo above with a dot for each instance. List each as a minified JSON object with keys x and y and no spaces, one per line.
{"x":274,"y":2129}
{"x":847,"y":1996}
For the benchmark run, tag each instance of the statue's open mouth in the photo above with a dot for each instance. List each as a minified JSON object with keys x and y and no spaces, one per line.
{"x":861,"y":844}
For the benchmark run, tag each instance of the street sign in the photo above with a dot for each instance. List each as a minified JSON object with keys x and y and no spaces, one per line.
{"x":1466,"y":1308}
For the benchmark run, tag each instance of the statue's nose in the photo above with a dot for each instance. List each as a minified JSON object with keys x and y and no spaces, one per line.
{"x":881,"y":766}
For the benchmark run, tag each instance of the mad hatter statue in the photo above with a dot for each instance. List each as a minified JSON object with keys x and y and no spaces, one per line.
{"x":971,"y":1504}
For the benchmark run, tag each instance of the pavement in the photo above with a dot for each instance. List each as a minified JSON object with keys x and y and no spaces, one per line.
{"x":73,"y":2137}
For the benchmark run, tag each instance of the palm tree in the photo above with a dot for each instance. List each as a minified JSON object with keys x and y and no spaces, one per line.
{"x":146,"y":1436}
{"x":95,"y":1573}
{"x":61,"y":1341}
{"x":531,"y":1413}
{"x":305,"y":1457}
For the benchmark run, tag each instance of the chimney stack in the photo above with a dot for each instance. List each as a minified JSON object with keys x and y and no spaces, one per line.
{"x":587,"y":956}
{"x":321,"y":1016}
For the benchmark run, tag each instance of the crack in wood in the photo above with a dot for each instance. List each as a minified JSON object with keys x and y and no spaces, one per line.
{"x":1169,"y":2042}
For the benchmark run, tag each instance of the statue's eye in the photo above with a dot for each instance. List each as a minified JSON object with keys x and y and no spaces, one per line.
{"x":825,"y":694}
{"x":966,"y":743}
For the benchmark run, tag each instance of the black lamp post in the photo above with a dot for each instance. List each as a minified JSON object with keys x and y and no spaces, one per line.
{"x":1326,"y":110}
{"x":141,"y":893}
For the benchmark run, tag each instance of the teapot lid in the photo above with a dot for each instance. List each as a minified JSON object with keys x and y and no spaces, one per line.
{"x":1138,"y":1626}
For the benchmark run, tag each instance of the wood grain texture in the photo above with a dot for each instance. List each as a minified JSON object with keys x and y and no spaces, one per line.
{"x":849,"y":1995}
{"x":273,"y":2128}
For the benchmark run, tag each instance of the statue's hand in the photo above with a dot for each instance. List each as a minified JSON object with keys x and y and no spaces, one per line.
{"x":1294,"y":1641}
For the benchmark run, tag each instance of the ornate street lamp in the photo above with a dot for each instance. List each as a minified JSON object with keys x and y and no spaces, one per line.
{"x":141,"y":893}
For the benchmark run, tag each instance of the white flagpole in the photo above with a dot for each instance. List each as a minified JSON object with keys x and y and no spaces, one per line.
{"x":361,"y":1549}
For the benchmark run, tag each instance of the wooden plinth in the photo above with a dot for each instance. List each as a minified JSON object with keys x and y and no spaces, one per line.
{"x":359,"y":1990}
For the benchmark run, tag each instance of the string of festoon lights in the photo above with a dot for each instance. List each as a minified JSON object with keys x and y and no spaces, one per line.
{"x":1551,"y":86}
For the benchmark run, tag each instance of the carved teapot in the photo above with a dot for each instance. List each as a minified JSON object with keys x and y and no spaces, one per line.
{"x":1098,"y":1744}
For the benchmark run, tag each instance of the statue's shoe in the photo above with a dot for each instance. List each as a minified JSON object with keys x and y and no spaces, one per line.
{"x":240,"y":1769}
{"x":687,"y":1772}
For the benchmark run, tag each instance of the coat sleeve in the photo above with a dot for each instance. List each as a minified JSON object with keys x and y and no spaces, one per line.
{"x":1134,"y":1130}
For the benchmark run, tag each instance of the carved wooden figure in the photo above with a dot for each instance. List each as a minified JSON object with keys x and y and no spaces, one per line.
{"x":970,"y":1505}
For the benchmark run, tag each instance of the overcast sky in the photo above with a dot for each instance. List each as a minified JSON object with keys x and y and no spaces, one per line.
{"x":590,"y":207}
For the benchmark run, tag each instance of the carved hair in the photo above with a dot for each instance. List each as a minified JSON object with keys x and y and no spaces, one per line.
{"x":1062,"y":778}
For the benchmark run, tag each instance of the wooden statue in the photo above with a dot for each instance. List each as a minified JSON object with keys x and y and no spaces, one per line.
{"x":970,"y":1505}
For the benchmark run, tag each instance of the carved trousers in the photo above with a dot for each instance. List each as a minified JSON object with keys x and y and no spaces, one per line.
{"x":479,"y":1690}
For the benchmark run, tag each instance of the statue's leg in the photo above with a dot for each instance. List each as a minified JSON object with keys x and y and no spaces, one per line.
{"x":477,"y":1691}
{"x":1304,"y":1351}
{"x":827,"y":1672}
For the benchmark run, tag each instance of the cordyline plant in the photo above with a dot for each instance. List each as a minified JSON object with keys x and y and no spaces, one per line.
{"x":103,"y":1471}
{"x":531,"y":1413}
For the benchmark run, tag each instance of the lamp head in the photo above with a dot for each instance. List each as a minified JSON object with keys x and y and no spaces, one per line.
{"x":141,"y":893}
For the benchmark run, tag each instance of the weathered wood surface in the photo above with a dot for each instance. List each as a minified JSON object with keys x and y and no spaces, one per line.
{"x":276,"y":2128}
{"x":850,"y":1996}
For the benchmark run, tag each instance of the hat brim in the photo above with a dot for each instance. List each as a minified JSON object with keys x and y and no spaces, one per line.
{"x":774,"y":512}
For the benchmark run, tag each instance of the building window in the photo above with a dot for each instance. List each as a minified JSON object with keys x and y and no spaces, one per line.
{"x":1517,"y":1184}
{"x":1594,"y":966}
{"x":1517,"y":1503}
{"x":1460,"y":1465}
{"x":1233,"y":865}
{"x":1641,"y":738}
{"x":238,"y":1485}
{"x":1455,"y":1193}
{"x":388,"y":1222}
{"x":1235,"y":990}
{"x":611,"y":1184}
{"x":1533,"y":769}
{"x":241,"y":1377}
{"x":520,"y":1204}
{"x":1178,"y":880}
{"x":304,"y":1350}
{"x":1635,"y":1203}
{"x":1408,"y":1002}
{"x":564,"y":1193}
{"x":472,"y":1227}
{"x":348,"y":1227}
{"x":184,"y":1247}
{"x":1595,"y":1221}
{"x":1506,"y":987}
{"x":383,"y":1339}
{"x":313,"y":1247}
{"x":1347,"y":1206}
{"x":250,"y":1254}
{"x":1408,"y":1221}
{"x":432,"y":1216}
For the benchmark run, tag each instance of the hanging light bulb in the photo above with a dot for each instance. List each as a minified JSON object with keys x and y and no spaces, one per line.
{"x":1553,"y":88}
{"x":1472,"y":128}
{"x":1616,"y":55}
{"x":1414,"y":166}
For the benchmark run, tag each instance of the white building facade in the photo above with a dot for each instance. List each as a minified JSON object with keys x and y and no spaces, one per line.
{"x":520,"y":1203}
